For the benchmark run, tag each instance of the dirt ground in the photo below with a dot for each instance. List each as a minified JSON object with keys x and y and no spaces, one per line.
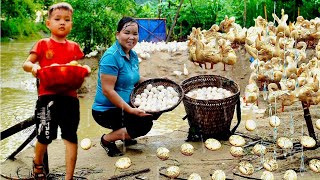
{"x":95,"y":164}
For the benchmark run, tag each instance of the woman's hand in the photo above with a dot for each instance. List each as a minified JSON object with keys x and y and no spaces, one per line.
{"x":139,"y":112}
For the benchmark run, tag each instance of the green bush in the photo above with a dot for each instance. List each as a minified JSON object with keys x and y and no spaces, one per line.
{"x":18,"y":28}
{"x":95,"y":21}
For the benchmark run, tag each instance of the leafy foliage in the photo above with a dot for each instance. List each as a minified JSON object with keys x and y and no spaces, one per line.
{"x":16,"y":18}
{"x":95,"y":21}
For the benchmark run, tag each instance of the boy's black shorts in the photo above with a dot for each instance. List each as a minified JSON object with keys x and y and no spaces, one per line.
{"x":116,"y":118}
{"x":53,"y":111}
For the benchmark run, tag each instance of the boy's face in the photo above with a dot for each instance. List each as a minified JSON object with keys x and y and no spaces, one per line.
{"x":60,"y":23}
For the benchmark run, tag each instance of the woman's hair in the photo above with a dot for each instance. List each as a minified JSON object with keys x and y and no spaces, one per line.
{"x":61,"y":5}
{"x":124,"y":21}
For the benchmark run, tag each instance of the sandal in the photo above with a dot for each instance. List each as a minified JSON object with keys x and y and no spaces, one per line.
{"x":40,"y":174}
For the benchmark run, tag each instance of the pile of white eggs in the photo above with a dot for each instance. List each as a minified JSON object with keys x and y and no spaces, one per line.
{"x":209,"y":93}
{"x":156,"y":98}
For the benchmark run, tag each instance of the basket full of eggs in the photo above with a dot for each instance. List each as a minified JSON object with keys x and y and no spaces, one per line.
{"x":63,"y":77}
{"x":209,"y":102}
{"x":157,"y":95}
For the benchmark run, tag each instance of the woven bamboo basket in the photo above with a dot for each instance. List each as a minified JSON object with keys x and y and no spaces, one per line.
{"x":157,"y":82}
{"x":211,"y":118}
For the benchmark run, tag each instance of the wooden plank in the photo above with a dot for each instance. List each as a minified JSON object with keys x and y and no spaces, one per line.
{"x":17,"y":128}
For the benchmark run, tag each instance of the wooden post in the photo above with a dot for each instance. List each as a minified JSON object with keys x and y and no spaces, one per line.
{"x":307,"y":118}
{"x":174,"y":22}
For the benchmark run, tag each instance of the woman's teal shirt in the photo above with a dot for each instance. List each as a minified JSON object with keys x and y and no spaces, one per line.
{"x":114,"y":62}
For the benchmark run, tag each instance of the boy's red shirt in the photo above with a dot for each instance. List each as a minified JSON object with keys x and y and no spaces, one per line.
{"x":50,"y":51}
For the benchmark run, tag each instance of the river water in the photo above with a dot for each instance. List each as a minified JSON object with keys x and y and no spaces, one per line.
{"x":18,"y":97}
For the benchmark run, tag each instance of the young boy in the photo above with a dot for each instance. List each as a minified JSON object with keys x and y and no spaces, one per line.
{"x":52,"y":109}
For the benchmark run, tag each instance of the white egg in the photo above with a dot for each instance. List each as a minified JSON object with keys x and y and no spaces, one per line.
{"x":144,"y":95}
{"x":314,"y":165}
{"x":274,"y":121}
{"x":190,"y":94}
{"x":284,"y":143}
{"x":194,"y":176}
{"x":290,"y":175}
{"x":137,"y":99}
{"x":237,"y":140}
{"x":138,"y":96}
{"x":318,"y":124}
{"x":151,"y":94}
{"x":187,"y":149}
{"x":164,"y":91}
{"x":307,"y":141}
{"x":123,"y":163}
{"x":143,"y":99}
{"x":160,"y":87}
{"x":270,"y":164}
{"x":170,"y":95}
{"x":137,"y":103}
{"x":154,"y":90}
{"x":86,"y":143}
{"x":163,"y":153}
{"x":169,"y":88}
{"x":250,"y":125}
{"x":218,"y":175}
{"x":149,"y":87}
{"x":259,"y":149}
{"x":173,"y":171}
{"x":146,"y":91}
{"x":218,"y":96}
{"x":236,"y":151}
{"x":267,"y":175}
{"x":175,"y":93}
{"x":212,"y":144}
{"x":246,"y":168}
{"x":175,"y":100}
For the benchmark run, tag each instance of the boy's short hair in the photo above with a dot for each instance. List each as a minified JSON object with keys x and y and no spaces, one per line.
{"x":61,"y":5}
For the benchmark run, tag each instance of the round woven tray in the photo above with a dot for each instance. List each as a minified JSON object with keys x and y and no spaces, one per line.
{"x":157,"y":82}
{"x":210,"y":118}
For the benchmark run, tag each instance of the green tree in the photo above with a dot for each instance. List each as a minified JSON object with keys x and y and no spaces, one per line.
{"x":95,"y":21}
{"x":17,"y":18}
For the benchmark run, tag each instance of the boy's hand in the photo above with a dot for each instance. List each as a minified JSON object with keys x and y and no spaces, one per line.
{"x":35,"y":69}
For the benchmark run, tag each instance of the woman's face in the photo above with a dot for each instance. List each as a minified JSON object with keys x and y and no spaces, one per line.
{"x":128,"y":37}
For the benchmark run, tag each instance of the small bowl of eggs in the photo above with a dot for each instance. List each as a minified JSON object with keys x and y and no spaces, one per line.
{"x":157,"y":95}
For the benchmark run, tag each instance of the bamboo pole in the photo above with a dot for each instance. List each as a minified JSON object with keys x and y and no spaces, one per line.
{"x":265,"y":11}
{"x":159,"y":9}
{"x":245,"y":13}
